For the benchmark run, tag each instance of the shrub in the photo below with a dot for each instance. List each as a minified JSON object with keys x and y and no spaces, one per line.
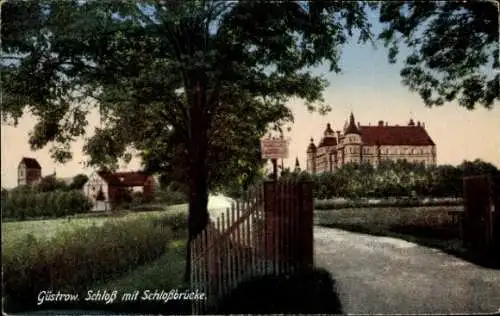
{"x":398,"y":179}
{"x":170,"y":197}
{"x":29,"y":204}
{"x":399,"y":202}
{"x":74,"y":260}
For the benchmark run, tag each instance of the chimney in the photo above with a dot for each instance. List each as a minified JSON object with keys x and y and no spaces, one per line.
{"x":418,"y":123}
{"x":380,"y":123}
{"x":386,"y":124}
{"x":359,"y":125}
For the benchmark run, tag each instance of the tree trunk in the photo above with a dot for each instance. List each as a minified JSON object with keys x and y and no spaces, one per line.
{"x":198,"y":178}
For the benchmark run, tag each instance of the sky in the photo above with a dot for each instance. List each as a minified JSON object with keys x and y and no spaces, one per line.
{"x":368,"y":86}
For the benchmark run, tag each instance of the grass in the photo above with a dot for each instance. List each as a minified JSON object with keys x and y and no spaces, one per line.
{"x":46,"y":229}
{"x":165,"y":273}
{"x":385,"y":216}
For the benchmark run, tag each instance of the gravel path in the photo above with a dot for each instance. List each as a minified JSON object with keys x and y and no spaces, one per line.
{"x":388,"y":275}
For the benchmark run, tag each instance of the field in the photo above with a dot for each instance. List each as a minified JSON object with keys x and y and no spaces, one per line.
{"x":46,"y":229}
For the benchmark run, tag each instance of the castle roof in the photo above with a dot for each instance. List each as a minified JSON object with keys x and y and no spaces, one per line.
{"x":328,"y":129}
{"x":327,"y":141}
{"x":30,"y":163}
{"x":351,"y":128}
{"x":311,"y":148}
{"x":395,"y":135}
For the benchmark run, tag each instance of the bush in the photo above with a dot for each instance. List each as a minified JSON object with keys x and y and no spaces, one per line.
{"x":31,"y":204}
{"x":72,"y":261}
{"x":399,"y":202}
{"x":170,"y":197}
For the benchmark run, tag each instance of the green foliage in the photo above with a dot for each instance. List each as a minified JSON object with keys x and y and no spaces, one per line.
{"x":78,"y":182}
{"x":19,"y":204}
{"x":169,"y":196}
{"x":73,"y":260}
{"x":383,"y":203}
{"x":51,"y":183}
{"x":190,"y":85}
{"x":454,"y":52}
{"x":399,"y":179}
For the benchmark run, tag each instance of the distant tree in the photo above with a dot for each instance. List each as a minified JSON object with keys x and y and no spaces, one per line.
{"x":51,"y":183}
{"x":78,"y":181}
{"x":454,"y":49}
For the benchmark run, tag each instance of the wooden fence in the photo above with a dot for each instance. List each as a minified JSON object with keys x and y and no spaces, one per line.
{"x":269,"y":231}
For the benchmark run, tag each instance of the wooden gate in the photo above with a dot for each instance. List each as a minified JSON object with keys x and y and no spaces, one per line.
{"x":269,"y":231}
{"x":478,"y":219}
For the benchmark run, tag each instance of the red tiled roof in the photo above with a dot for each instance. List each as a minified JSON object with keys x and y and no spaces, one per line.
{"x":328,"y":141}
{"x":127,"y":179}
{"x":395,"y":135}
{"x":30,"y":163}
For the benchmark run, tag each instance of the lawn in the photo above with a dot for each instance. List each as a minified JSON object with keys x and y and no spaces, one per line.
{"x":46,"y":229}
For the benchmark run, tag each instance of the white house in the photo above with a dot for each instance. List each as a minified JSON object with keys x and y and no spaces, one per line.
{"x":92,"y":187}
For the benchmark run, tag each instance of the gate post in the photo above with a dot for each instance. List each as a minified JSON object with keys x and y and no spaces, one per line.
{"x":306,"y":239}
{"x":269,"y":221}
{"x":478,"y":207}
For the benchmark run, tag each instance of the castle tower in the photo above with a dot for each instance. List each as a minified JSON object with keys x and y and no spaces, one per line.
{"x":311,"y":157}
{"x":352,"y":142}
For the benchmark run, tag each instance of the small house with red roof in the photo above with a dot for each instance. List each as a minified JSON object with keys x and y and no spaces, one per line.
{"x":29,"y":171}
{"x":107,"y":188}
{"x":370,"y":144}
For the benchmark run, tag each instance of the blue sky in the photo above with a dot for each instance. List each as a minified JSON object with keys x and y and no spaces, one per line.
{"x":368,"y":85}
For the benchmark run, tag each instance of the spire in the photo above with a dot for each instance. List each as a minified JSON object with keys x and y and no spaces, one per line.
{"x":329,"y":131}
{"x":311,"y":148}
{"x":297,"y":165}
{"x":352,"y":128}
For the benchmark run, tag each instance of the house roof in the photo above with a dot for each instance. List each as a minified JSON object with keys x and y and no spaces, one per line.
{"x":30,"y":163}
{"x":125,"y":179}
{"x":395,"y":135}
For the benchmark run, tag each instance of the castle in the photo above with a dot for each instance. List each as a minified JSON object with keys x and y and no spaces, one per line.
{"x":370,"y":144}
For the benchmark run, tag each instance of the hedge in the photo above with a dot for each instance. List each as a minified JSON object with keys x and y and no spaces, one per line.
{"x":400,"y":202}
{"x":24,"y":204}
{"x":73,"y":261}
{"x":397,"y":179}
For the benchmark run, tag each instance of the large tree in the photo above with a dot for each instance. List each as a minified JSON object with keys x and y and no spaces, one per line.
{"x":188,"y":62}
{"x":453,"y":45}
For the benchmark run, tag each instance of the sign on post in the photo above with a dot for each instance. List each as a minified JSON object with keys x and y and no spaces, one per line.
{"x":274,"y":148}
